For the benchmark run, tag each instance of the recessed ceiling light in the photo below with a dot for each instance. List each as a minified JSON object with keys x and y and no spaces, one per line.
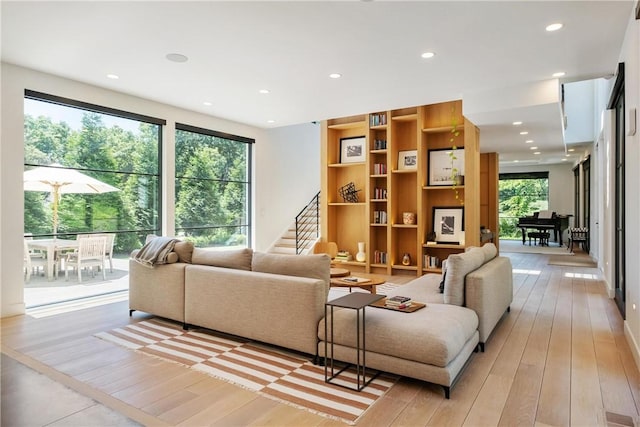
{"x":428,"y":55}
{"x":264,"y":91}
{"x":533,"y":148}
{"x":564,"y":160}
{"x":571,"y":149}
{"x":559,"y":74}
{"x":524,"y":132}
{"x":517,"y":123}
{"x":553,"y":27}
{"x":529,"y":141}
{"x":207,"y":103}
{"x":516,"y":161}
{"x":271,"y":121}
{"x":176,"y":57}
{"x":567,"y":155}
{"x":113,"y":76}
{"x":335,"y":75}
{"x":537,"y":152}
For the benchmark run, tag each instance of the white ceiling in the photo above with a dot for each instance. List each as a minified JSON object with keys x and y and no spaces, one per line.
{"x":237,"y":48}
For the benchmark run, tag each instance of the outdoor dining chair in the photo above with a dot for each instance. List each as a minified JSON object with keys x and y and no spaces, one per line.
{"x":33,"y":260}
{"x":90,"y":253}
{"x":108,"y":247}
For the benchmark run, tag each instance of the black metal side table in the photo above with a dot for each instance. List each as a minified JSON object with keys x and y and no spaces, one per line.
{"x":356,"y":301}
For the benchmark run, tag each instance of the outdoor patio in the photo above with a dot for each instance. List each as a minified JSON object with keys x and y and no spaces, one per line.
{"x":40,"y":291}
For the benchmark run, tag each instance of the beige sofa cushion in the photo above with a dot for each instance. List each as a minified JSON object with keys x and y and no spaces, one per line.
{"x":490,"y":251}
{"x":433,"y":335}
{"x":184,"y":250}
{"x":312,"y":266}
{"x":239,"y":259}
{"x":458,"y":266}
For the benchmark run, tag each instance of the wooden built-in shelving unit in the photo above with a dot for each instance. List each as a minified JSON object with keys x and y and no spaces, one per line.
{"x":386,"y":190}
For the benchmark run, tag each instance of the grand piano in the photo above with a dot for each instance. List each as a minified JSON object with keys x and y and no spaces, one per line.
{"x":541,"y":222}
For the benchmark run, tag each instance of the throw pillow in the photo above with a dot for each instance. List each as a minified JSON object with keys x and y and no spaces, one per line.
{"x":458,"y":266}
{"x":490,"y":251}
{"x":444,"y":275}
{"x":312,"y":266}
{"x":184,"y":251}
{"x":239,"y":259}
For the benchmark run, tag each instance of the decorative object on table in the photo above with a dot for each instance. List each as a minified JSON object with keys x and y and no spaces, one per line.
{"x":406,"y":259}
{"x":353,"y":150}
{"x":431,"y":236}
{"x":343,"y":256}
{"x":408,"y":218}
{"x":349,"y":193}
{"x":398,"y":302}
{"x":408,"y":160}
{"x":448,"y":223}
{"x":415,"y":306}
{"x":361,"y":256}
{"x":444,"y":167}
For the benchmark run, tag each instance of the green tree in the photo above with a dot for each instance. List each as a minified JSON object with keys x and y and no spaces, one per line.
{"x":518,"y":198}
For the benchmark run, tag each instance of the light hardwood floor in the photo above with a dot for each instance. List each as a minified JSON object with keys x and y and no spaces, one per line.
{"x":558,"y":358}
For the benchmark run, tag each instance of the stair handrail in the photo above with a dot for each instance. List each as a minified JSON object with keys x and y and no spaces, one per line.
{"x":305,"y":227}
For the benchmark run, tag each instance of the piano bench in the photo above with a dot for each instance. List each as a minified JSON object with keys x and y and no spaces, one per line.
{"x":542,"y":235}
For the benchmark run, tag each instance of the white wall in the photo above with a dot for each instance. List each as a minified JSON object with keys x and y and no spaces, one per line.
{"x":630,"y":55}
{"x":277,"y":154}
{"x":289,"y":171}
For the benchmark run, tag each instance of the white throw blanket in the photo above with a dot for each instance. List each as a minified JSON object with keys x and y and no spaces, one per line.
{"x":155,"y":251}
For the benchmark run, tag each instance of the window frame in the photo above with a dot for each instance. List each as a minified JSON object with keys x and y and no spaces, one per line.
{"x":249,"y":181}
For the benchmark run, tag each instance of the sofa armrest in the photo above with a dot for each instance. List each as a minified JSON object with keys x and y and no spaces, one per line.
{"x":489,"y":292}
{"x":158,"y":290}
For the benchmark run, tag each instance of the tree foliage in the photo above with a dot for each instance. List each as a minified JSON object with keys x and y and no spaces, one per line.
{"x":211,"y":187}
{"x":518,"y":198}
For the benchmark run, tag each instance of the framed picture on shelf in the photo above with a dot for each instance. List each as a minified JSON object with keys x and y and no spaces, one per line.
{"x":353,"y":150}
{"x":408,"y":160}
{"x":445,"y":166}
{"x":448,"y":224}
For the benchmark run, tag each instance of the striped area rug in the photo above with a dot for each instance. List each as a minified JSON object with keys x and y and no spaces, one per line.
{"x":272,"y":372}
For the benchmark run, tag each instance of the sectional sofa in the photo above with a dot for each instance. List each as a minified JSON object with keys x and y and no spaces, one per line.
{"x":434,"y":343}
{"x":280,"y":299}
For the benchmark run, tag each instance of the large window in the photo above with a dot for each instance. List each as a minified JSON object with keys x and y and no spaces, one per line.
{"x":213,"y":187}
{"x":521,"y":194}
{"x":115,"y":147}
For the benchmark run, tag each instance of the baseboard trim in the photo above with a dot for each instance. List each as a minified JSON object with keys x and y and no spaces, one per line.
{"x":633,"y":344}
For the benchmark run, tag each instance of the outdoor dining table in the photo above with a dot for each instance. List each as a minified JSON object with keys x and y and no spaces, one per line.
{"x":51,"y":246}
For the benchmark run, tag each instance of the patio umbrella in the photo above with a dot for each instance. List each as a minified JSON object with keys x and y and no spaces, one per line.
{"x":57,"y":180}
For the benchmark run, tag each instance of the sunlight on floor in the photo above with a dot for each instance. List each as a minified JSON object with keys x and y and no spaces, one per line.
{"x":75,"y":305}
{"x":530,"y":272}
{"x":581,"y":276}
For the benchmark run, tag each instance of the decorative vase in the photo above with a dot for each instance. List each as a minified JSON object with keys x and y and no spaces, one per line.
{"x":406,"y":259}
{"x":408,"y":218}
{"x":361,"y":256}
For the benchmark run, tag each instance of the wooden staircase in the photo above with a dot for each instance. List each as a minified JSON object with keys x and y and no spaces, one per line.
{"x":303,"y":233}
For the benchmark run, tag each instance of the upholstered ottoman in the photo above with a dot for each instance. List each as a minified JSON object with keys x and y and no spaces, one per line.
{"x":432,"y":344}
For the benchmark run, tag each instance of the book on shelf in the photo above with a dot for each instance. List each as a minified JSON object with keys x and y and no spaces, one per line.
{"x":379,"y":217}
{"x":379,"y":257}
{"x":343,"y":256}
